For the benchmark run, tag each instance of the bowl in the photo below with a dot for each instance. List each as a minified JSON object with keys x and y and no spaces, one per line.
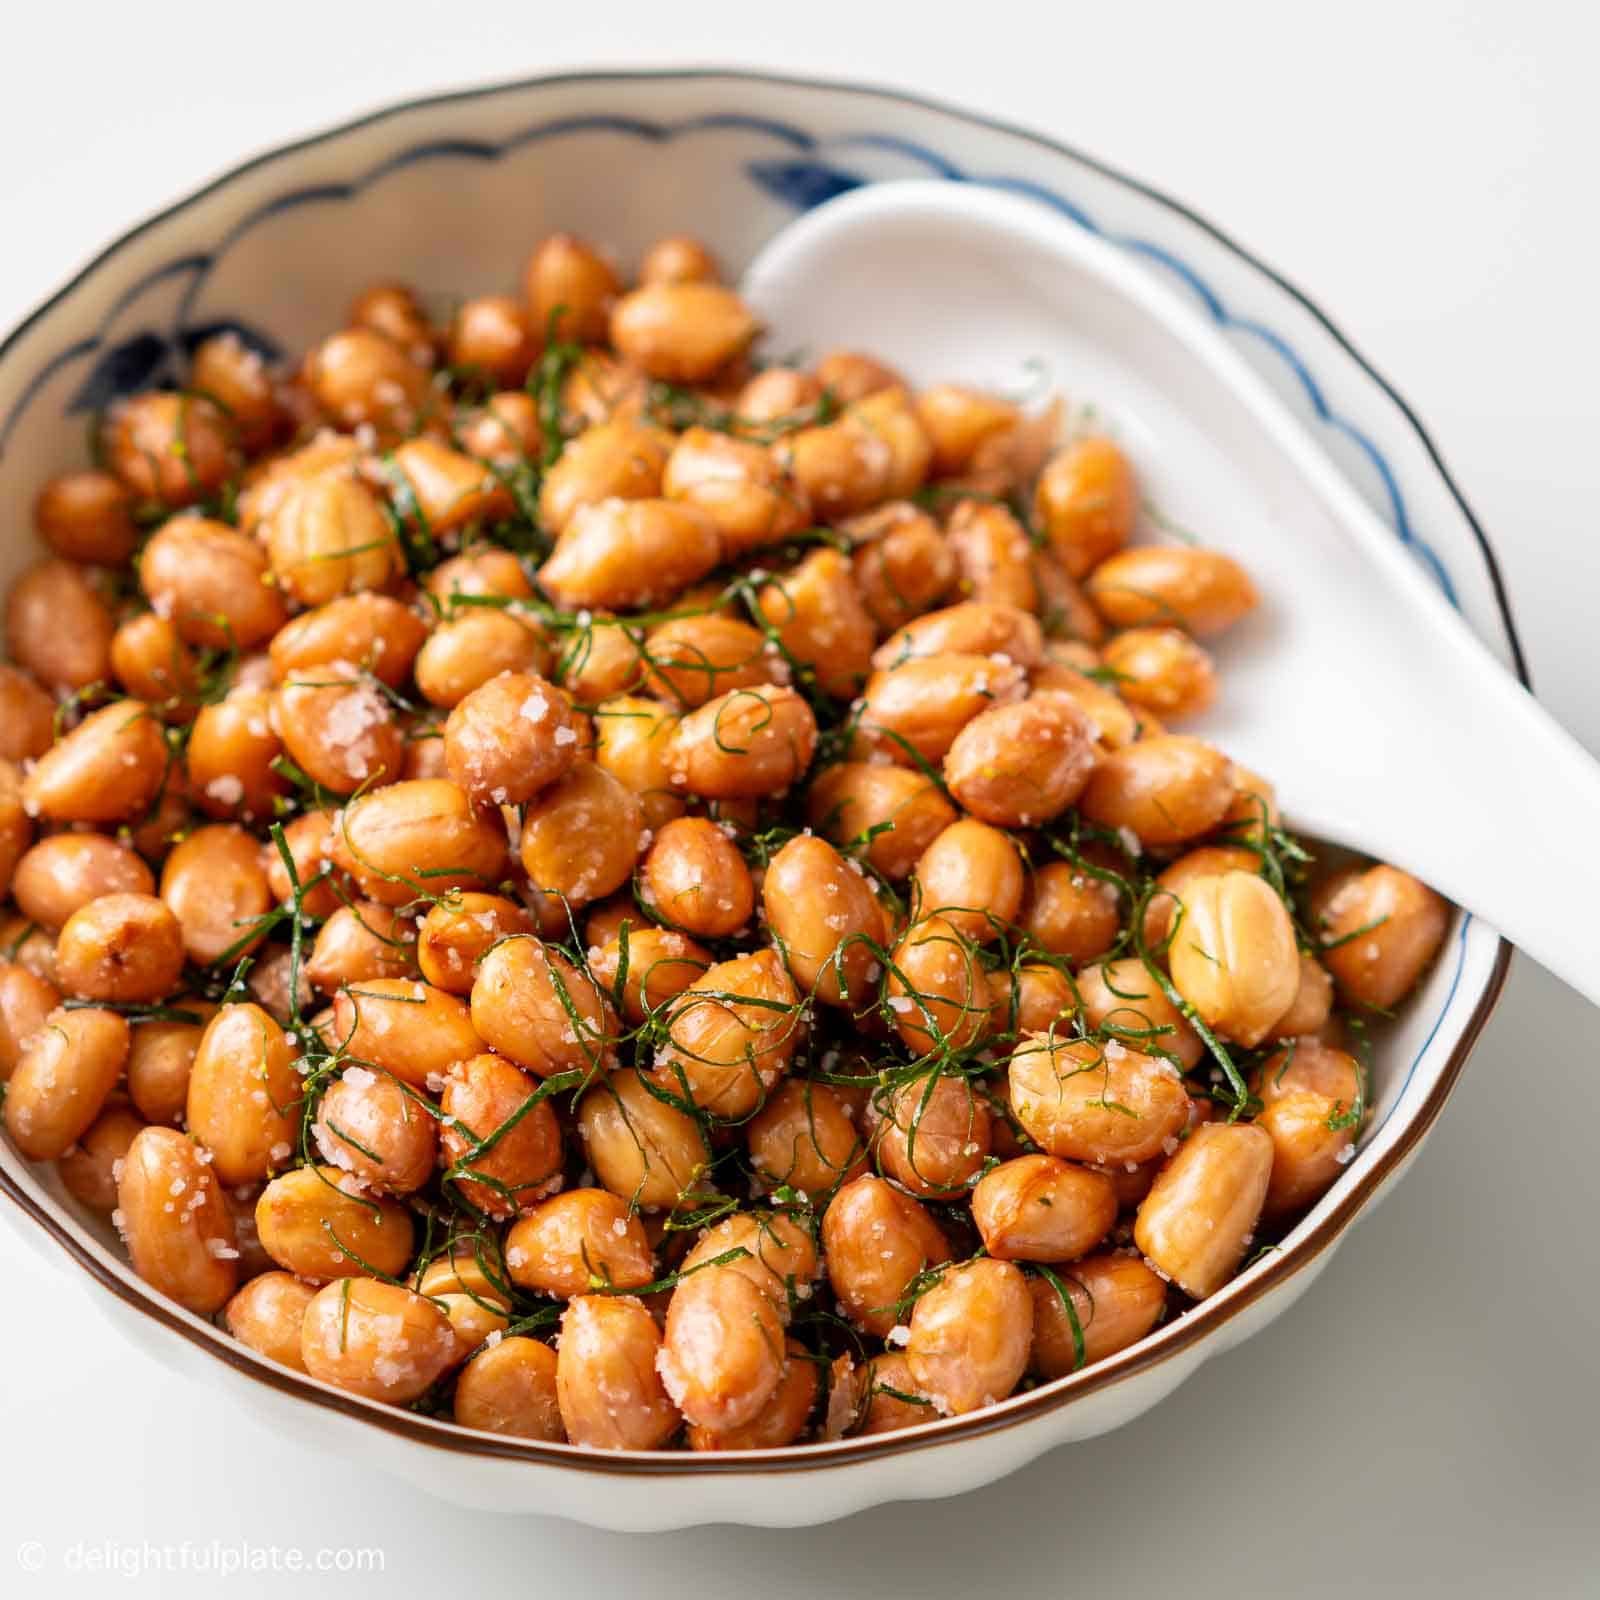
{"x":449,"y":193}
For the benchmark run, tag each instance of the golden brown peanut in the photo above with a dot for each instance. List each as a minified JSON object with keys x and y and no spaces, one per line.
{"x":484,"y":571}
{"x":531,"y":1004}
{"x":267,"y":1314}
{"x":1174,"y":883}
{"x":803,"y":1137}
{"x":918,"y":708}
{"x":228,"y":371}
{"x":393,"y":310}
{"x":889,"y":1399}
{"x":1197,"y":1221}
{"x":1167,"y":790}
{"x":1313,"y":1137}
{"x":723,"y":1352}
{"x":681,"y":332}
{"x":121,"y":948}
{"x":643,"y":1150}
{"x":934,"y":1135}
{"x":153,"y":664}
{"x":490,"y":335}
{"x":504,"y":432}
{"x":976,"y":628}
{"x":171,"y":448}
{"x":827,"y":921}
{"x":958,"y":421}
{"x":1037,"y":1208}
{"x":1022,"y":764}
{"x":16,"y":826}
{"x":244,"y":1094}
{"x":1123,"y":997}
{"x":107,"y":769}
{"x":661,"y":964}
{"x":694,"y":879}
{"x":329,"y":537}
{"x":1312,"y":1005}
{"x":360,"y":377}
{"x":309,"y":838}
{"x":876,"y":1242}
{"x":68,"y":870}
{"x":160,"y":1060}
{"x":459,"y":931}
{"x":57,"y":627}
{"x":994,"y":560}
{"x":570,"y":289}
{"x":620,"y":460}
{"x":1115,"y":722}
{"x":972,"y":876}
{"x":1071,"y":913}
{"x":780,"y":1256}
{"x":936,"y":988}
{"x":465,"y":652}
{"x":775,"y":395}
{"x":577,"y":1242}
{"x":609,"y":1391}
{"x":271,"y":481}
{"x":443,"y":489}
{"x":621,"y":553}
{"x":510,"y":739}
{"x":31,"y":947}
{"x":1201,"y":591}
{"x":678,"y":258}
{"x":691,"y":660}
{"x":230,"y":755}
{"x":339,"y":728}
{"x":1254,"y":807}
{"x":64,"y":1072}
{"x":1162,"y":670}
{"x":406,"y":1027}
{"x":369,"y":1125}
{"x":744,"y":744}
{"x":26,"y":1000}
{"x":1086,"y":503}
{"x":631,"y":739}
{"x":970,"y":1335}
{"x":210,"y":581}
{"x":731,"y":1035}
{"x":1233,"y":956}
{"x":359,"y":942}
{"x":1106,"y":1103}
{"x":418,"y":839}
{"x":175,"y":1222}
{"x":1391,"y":927}
{"x":1071,"y":624}
{"x":473,"y":1322}
{"x":503,"y":1146}
{"x":86,"y":516}
{"x":375,"y":632}
{"x":890,"y":813}
{"x":739,"y":486}
{"x":602,"y":661}
{"x":1039,"y":999}
{"x":817,"y":614}
{"x":510,"y":1388}
{"x":214,"y":884}
{"x":581,"y":837}
{"x":1309,"y":1066}
{"x":305,"y":1216}
{"x":89,"y":1167}
{"x":780,"y":1421}
{"x":851,"y":375}
{"x":841,"y":467}
{"x":1116,"y":1300}
{"x":903,"y":567}
{"x":27,"y":716}
{"x":375,"y":1339}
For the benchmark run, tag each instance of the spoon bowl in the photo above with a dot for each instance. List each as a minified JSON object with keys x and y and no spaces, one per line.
{"x":1356,"y":688}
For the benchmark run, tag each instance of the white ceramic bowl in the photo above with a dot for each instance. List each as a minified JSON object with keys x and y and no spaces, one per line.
{"x":449,"y":194}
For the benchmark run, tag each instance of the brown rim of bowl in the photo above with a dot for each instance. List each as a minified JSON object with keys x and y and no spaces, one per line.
{"x":1172,"y":1339}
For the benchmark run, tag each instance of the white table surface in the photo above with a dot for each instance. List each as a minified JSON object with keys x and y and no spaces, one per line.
{"x":1425,"y":1420}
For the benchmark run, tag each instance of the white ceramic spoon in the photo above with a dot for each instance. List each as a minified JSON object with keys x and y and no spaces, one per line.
{"x":1384,"y":723}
